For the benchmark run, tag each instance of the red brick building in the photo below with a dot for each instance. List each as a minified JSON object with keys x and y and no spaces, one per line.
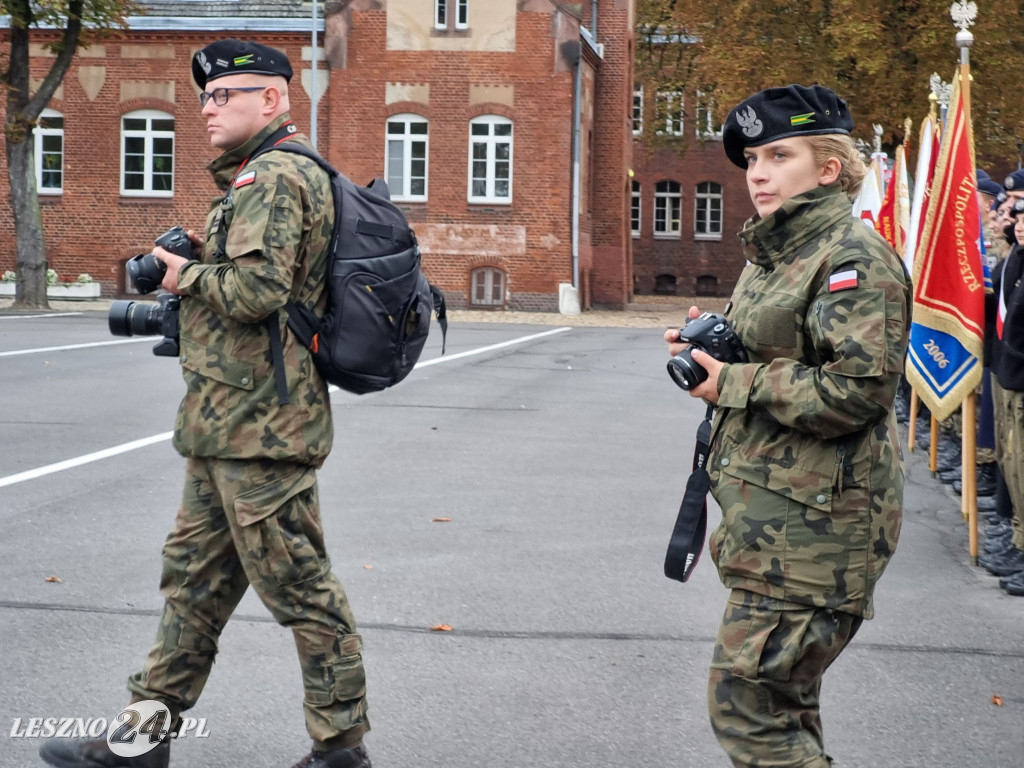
{"x":687,"y":200}
{"x":469,"y":108}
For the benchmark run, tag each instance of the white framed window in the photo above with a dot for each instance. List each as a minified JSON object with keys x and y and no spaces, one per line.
{"x":634,"y":210}
{"x":638,"y":109}
{"x":669,"y":107}
{"x":405,"y":156}
{"x":707,"y":215}
{"x":443,"y":13}
{"x":488,"y":287}
{"x":706,"y":125}
{"x":668,"y":207}
{"x":490,"y":160}
{"x":49,"y":150}
{"x":147,"y":154}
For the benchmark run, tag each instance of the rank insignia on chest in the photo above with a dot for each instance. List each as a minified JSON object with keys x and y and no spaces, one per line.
{"x":840,"y":281}
{"x":245,"y":178}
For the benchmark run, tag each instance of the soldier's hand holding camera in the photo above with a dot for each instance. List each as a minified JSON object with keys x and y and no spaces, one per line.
{"x":174,"y":263}
{"x":692,"y":367}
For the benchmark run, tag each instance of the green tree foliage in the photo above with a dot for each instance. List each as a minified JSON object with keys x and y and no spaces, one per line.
{"x":877,"y":54}
{"x":63,"y":26}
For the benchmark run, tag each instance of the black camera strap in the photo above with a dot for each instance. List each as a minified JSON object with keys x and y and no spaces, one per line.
{"x":687,"y":542}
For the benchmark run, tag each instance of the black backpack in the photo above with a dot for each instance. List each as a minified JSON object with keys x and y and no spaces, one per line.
{"x":378,"y":300}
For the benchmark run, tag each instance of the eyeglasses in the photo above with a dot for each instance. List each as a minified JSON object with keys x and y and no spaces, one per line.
{"x":220,"y":95}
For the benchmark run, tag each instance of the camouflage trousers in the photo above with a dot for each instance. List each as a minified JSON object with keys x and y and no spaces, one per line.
{"x":1009,"y":408}
{"x":765,"y":679}
{"x":258,"y":523}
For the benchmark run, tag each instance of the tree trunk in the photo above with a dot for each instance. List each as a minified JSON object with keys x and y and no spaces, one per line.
{"x":30,"y":290}
{"x":23,"y":109}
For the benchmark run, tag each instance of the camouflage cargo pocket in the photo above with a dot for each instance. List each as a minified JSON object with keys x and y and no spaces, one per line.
{"x":281,"y":536}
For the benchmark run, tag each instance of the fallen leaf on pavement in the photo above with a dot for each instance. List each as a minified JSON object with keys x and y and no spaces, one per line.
{"x":441,"y":628}
{"x":57,"y":579}
{"x":997,"y":700}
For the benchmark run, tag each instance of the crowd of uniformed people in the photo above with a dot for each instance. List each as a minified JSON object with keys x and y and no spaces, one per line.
{"x":1000,"y":425}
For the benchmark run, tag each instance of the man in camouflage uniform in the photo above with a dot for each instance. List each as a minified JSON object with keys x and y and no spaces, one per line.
{"x":805,"y":459}
{"x":250,"y":512}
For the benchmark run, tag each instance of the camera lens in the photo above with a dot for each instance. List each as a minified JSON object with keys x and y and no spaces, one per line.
{"x":146,"y":272}
{"x":133,"y":318}
{"x":684,"y":371}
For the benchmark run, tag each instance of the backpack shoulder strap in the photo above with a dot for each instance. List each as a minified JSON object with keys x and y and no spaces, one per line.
{"x":300,"y":322}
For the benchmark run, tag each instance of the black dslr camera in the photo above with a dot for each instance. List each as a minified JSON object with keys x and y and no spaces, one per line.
{"x":709,"y":333}
{"x":146,"y":271}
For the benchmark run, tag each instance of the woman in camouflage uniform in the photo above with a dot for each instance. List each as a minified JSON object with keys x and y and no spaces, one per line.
{"x":805,"y":459}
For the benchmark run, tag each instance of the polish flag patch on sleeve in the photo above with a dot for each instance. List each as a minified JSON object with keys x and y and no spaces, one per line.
{"x":245,"y":178}
{"x":840,"y":281}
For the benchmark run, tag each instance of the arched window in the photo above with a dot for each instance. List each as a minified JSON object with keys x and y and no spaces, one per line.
{"x":668,"y":206}
{"x":490,"y":159}
{"x":487,"y":288}
{"x":147,"y":154}
{"x":49,"y":150}
{"x":405,"y":156}
{"x":707,"y":219}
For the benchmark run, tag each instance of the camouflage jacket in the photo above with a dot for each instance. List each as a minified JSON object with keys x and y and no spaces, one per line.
{"x":278,"y":214}
{"x":806,"y":462}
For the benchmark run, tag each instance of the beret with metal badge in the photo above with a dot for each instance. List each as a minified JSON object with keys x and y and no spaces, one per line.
{"x":778,"y":113}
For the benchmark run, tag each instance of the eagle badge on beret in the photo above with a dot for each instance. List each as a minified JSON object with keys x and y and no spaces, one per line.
{"x":750,"y":122}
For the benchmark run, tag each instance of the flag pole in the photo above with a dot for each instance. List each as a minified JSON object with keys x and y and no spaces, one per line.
{"x":933,"y":100}
{"x":964,"y":15}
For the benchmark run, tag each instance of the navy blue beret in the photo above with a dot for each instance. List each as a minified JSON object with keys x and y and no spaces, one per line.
{"x":1017,"y":208}
{"x":1015,"y":180}
{"x":986,"y":185}
{"x":778,"y":113}
{"x":234,"y":57}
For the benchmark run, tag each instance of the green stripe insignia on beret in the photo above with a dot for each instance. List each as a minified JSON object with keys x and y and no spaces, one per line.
{"x":803,"y":119}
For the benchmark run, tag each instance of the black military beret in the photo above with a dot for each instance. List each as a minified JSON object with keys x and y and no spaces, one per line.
{"x":233,"y":57}
{"x":1017,"y":208}
{"x":777,"y":113}
{"x":1015,"y":180}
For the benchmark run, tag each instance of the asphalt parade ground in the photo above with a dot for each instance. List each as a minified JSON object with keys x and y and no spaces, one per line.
{"x":518,"y":491}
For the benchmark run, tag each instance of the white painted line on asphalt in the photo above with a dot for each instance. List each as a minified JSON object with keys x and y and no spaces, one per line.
{"x":491,"y":348}
{"x":60,"y":466}
{"x":66,"y":347}
{"x":36,"y":317}
{"x":88,"y":458}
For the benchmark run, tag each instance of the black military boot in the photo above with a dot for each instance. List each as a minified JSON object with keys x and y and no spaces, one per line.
{"x":1014,"y":585}
{"x":987,"y":479}
{"x":1003,"y":563}
{"x":902,"y":408}
{"x":951,"y":460}
{"x":354,"y":757}
{"x":923,"y":428}
{"x":997,"y":539}
{"x":987,"y":504}
{"x":95,"y":753}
